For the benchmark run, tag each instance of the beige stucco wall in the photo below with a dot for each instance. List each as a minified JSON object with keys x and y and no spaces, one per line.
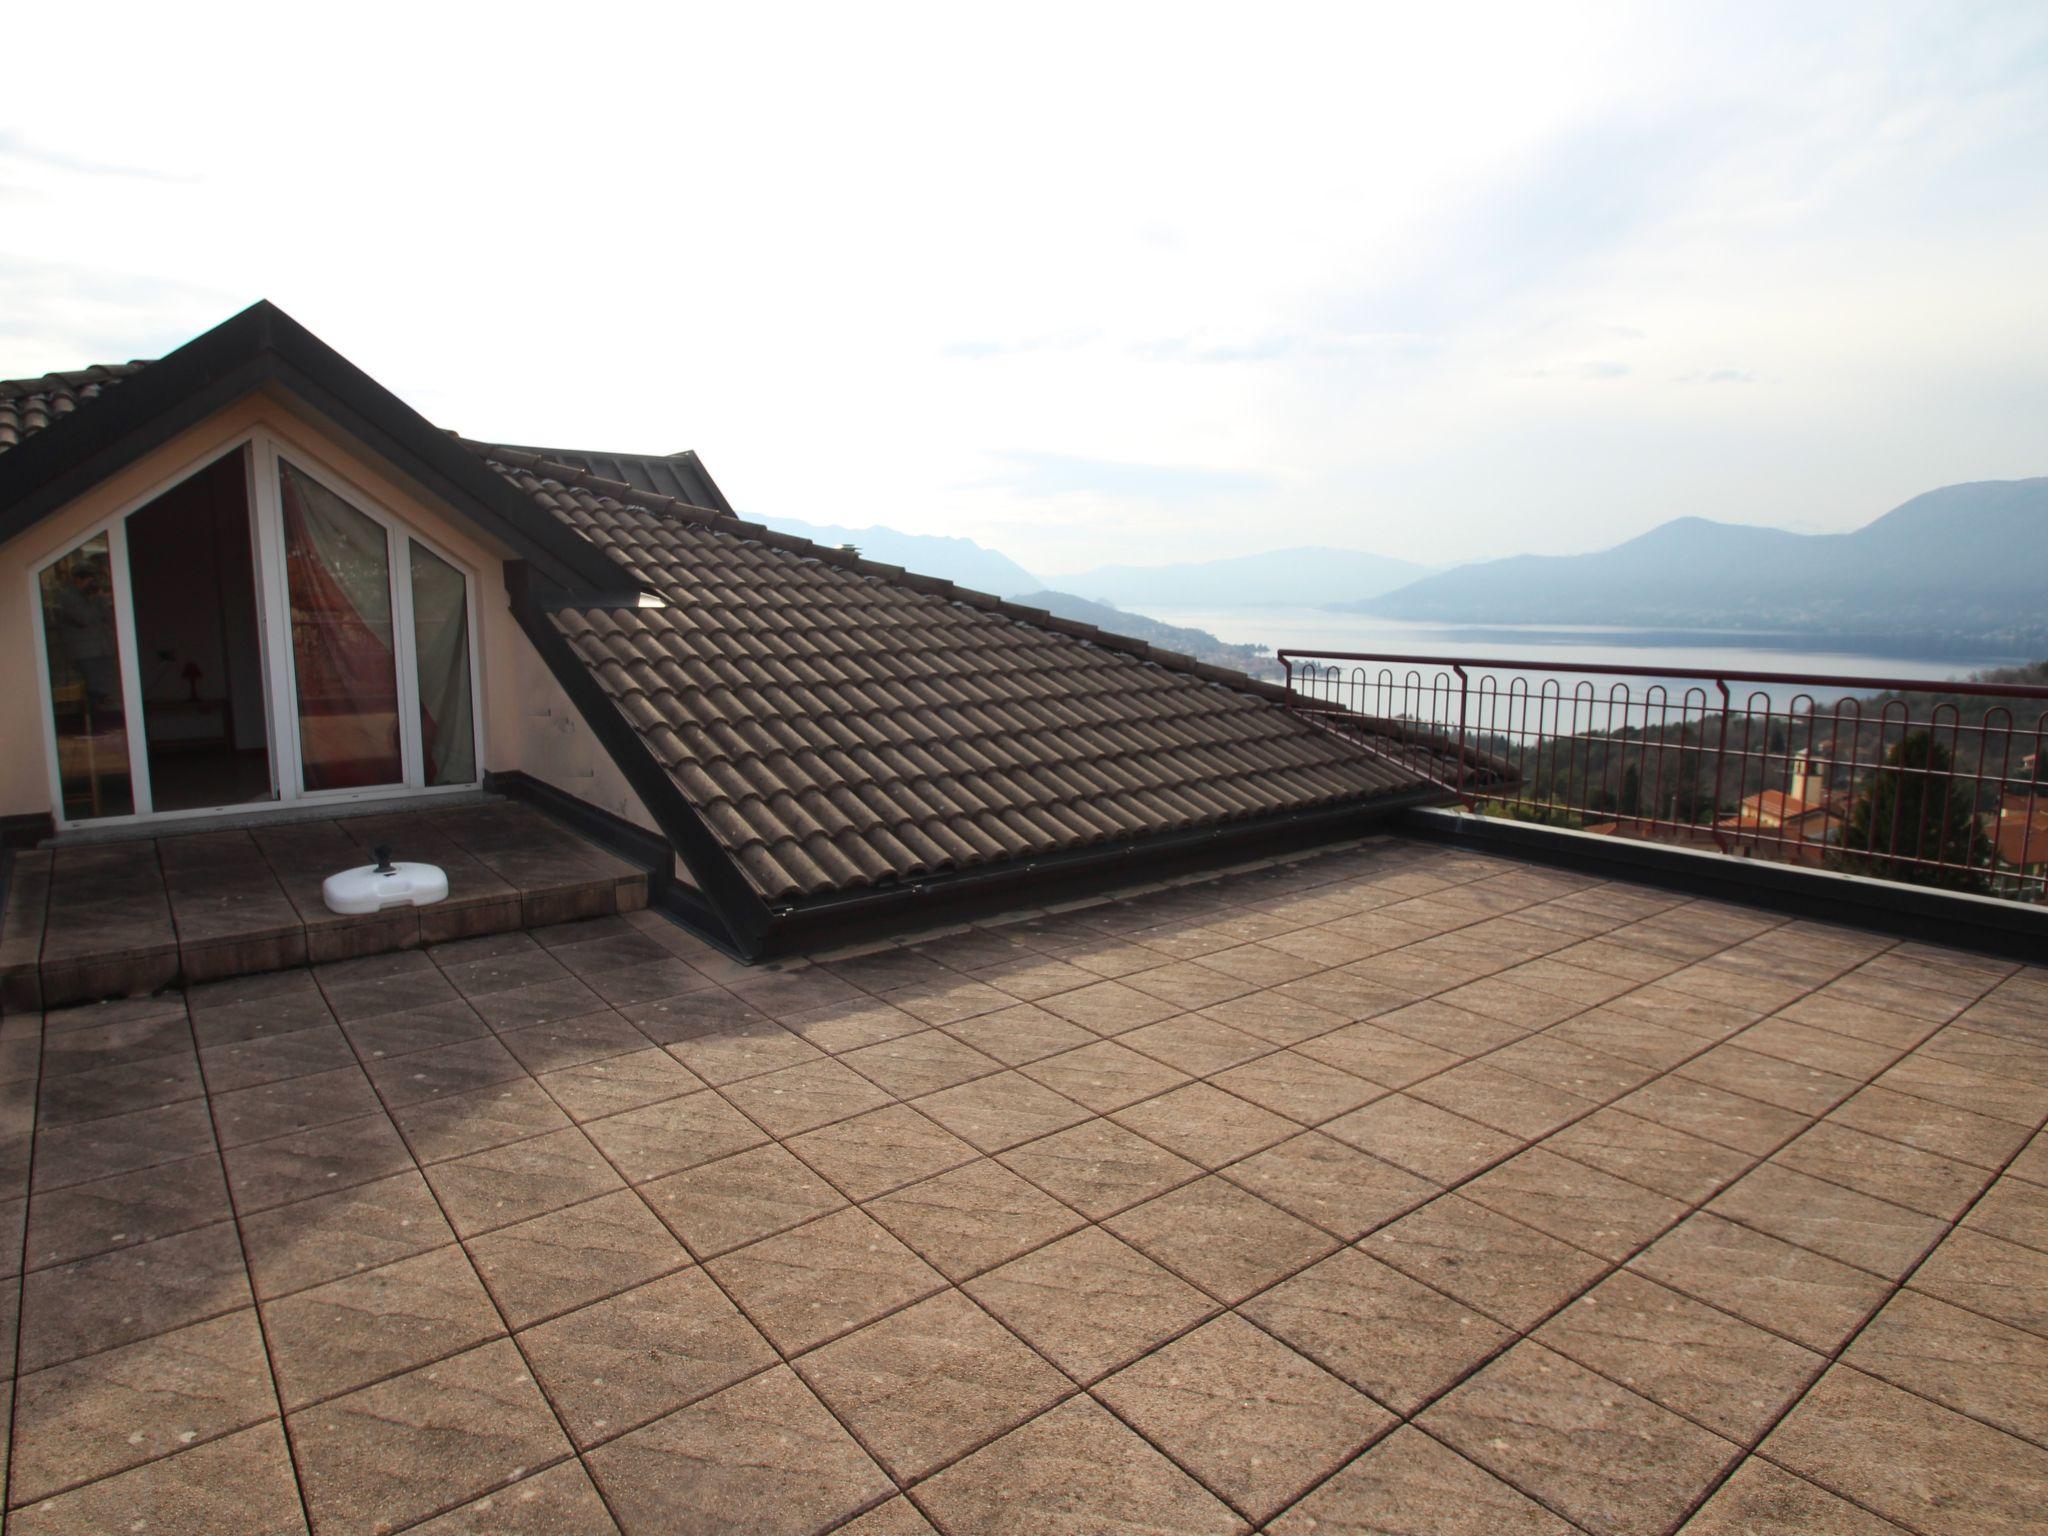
{"x":528,"y":723}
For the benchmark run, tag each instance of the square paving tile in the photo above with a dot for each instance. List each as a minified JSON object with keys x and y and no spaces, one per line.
{"x":1090,"y":1302}
{"x":1691,"y":1358}
{"x":643,"y":1353}
{"x":240,"y":1483}
{"x":349,"y":1332}
{"x":1222,"y":1237}
{"x":594,"y":1089}
{"x":881,"y":1150}
{"x":923,"y":1062}
{"x":83,"y":1219}
{"x":1206,"y":1125}
{"x":1575,"y":1203}
{"x":1016,"y":1035}
{"x":509,"y":1183}
{"x":561,"y":1501}
{"x":1613,"y":1461}
{"x":1108,"y":1007}
{"x":574,"y":1256}
{"x":1252,"y":1419}
{"x":1930,"y":1126}
{"x":1856,"y":1228}
{"x":296,"y":1104}
{"x":98,"y":1149}
{"x":1912,"y":1461}
{"x":719,"y":1206}
{"x":673,"y":1135}
{"x":1507,"y":1270}
{"x":1963,"y":1360}
{"x":314,"y":1241}
{"x":801,"y":1098}
{"x":1714,"y":1114}
{"x":302,"y":1164}
{"x":973,"y":1218}
{"x":1761,"y":1497}
{"x":1671,"y":1162}
{"x":1099,"y":1168}
{"x":131,"y":1293}
{"x":1104,"y":1075}
{"x":573,"y":1041}
{"x":994,"y":1113}
{"x":926,"y":1385}
{"x":1411,"y":1483}
{"x":1805,"y":1296}
{"x":406,"y":1447}
{"x":828,"y":1277}
{"x":1515,"y":1106}
{"x":445,"y":1069}
{"x":1387,"y":1334}
{"x":1075,"y":1468}
{"x":1195,"y":1045}
{"x":1322,"y":1181}
{"x":1422,"y":1138}
{"x":1298,"y":1086}
{"x":2015,"y":1210}
{"x":93,"y":1417}
{"x":762,"y":1458}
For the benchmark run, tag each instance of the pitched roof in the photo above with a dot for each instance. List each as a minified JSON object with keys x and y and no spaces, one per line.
{"x":678,"y":475}
{"x":839,"y":724}
{"x":27,"y":406}
{"x":802,"y":722}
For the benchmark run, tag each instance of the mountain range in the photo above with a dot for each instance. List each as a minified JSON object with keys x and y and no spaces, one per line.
{"x":1256,"y":660}
{"x":1310,"y":577}
{"x":929,"y":554}
{"x":1963,"y":559}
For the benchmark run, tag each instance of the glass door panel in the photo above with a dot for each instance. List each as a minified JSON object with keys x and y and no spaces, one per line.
{"x":338,"y":575}
{"x":192,"y":580}
{"x":440,"y":622}
{"x":87,"y":706}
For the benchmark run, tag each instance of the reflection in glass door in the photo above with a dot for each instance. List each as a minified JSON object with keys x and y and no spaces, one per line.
{"x":88,"y":705}
{"x":338,"y":571}
{"x":208,"y":649}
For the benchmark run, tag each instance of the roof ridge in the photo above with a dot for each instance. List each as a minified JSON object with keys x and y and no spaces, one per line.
{"x":71,"y":378}
{"x":937,"y":586}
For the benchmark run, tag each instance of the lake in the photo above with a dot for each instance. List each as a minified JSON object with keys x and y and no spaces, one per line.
{"x":1567,"y":647}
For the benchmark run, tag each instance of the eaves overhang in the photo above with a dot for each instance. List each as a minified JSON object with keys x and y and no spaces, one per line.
{"x":264,"y":348}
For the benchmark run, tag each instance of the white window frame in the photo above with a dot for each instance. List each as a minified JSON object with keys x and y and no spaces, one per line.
{"x":273,"y":616}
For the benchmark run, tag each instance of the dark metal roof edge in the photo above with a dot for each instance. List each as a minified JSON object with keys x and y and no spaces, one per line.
{"x":1959,"y":918}
{"x":879,"y":906}
{"x":724,"y":886}
{"x":263,"y":345}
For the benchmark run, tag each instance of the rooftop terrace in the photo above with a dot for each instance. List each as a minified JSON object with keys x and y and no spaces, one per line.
{"x":1392,"y":1188}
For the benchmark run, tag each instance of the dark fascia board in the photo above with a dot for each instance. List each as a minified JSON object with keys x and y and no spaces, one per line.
{"x":760,"y":930}
{"x":744,"y":915}
{"x":2009,"y":929}
{"x":842,"y":916}
{"x":263,"y":346}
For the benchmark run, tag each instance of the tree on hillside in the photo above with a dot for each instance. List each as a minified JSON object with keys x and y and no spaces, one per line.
{"x":1912,"y":815}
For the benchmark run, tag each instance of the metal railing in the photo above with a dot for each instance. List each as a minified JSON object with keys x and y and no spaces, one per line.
{"x":1935,"y":783}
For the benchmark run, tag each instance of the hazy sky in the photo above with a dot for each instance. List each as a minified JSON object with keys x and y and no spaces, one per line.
{"x":1101,"y":283}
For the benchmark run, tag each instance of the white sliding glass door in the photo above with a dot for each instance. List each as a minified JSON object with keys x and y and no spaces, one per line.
{"x":256,"y":632}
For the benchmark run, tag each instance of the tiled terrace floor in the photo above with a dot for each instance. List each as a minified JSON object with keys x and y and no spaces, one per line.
{"x":90,"y":920}
{"x":1392,"y":1189}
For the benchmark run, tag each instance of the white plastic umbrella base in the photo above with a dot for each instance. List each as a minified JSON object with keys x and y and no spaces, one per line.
{"x":363,"y":889}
